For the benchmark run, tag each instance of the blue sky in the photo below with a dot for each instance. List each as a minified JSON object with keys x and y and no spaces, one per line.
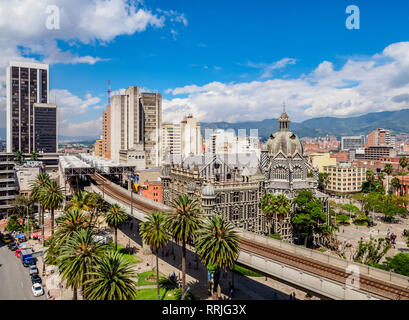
{"x":212,"y":58}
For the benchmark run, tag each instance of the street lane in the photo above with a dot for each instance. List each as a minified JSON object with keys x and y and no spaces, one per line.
{"x":15,"y":282}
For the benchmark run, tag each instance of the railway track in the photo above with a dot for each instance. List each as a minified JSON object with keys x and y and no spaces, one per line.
{"x":368,"y":284}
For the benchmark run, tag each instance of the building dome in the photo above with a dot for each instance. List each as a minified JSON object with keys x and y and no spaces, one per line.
{"x":284,"y":140}
{"x":208,"y":191}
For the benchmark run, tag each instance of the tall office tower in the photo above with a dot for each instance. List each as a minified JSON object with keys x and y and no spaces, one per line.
{"x":380,"y":137}
{"x":45,"y":128}
{"x":136,"y":119}
{"x":27,"y":84}
{"x":191,"y":138}
{"x":171,"y":139}
{"x":106,"y":133}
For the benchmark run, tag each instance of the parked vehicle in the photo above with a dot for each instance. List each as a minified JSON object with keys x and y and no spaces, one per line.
{"x":29,"y":262}
{"x":33,"y":270}
{"x":17,"y":253}
{"x":37,"y":290}
{"x":7,"y":238}
{"x":35,"y":278}
{"x":13,"y":246}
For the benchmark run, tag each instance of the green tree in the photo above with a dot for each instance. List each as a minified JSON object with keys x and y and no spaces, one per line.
{"x":154,"y":233}
{"x":115,"y":217}
{"x":370,"y":178}
{"x":183,"y":222}
{"x":371,"y":252}
{"x":51,"y":196}
{"x":275,"y":207}
{"x":403,"y":162}
{"x":19,"y":157}
{"x":36,"y":187}
{"x":388,"y":168}
{"x":323,"y":179}
{"x":79,"y":256}
{"x":350,"y":208}
{"x":81,"y":201}
{"x":381,"y":176}
{"x":218,"y":244}
{"x":343,"y":219}
{"x":112,"y":279}
{"x":33,"y":156}
{"x":399,"y":263}
{"x":308,"y":216}
{"x":395,"y":182}
{"x":69,"y":223}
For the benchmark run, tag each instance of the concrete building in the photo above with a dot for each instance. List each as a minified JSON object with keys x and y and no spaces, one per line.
{"x":352,"y":142}
{"x":152,"y":190}
{"x":99,"y":148}
{"x":191,"y":138}
{"x":136,"y":119}
{"x":344,"y":179}
{"x":320,"y":160}
{"x":134,"y":156}
{"x":45,"y":128}
{"x":381,"y":137}
{"x":379,"y":152}
{"x":26,"y":173}
{"x":171,"y":139}
{"x":8,"y":184}
{"x":233,"y":184}
{"x":106,"y":133}
{"x":26,"y":84}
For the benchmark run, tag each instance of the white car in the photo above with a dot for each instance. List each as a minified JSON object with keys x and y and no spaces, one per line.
{"x":37,"y":289}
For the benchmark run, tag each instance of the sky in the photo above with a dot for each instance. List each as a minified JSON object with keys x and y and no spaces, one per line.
{"x":219,"y":60}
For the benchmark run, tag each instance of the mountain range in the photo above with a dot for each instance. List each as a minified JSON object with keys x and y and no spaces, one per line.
{"x":396,"y":121}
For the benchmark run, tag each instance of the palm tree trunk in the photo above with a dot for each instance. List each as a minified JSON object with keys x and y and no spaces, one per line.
{"x":183,"y":267}
{"x":306,"y":240}
{"x":52,"y":221}
{"x":215,"y":284}
{"x":75,"y":294}
{"x":157,"y":272}
{"x":116,"y":239}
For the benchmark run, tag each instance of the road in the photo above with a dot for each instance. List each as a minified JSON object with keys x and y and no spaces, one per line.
{"x":14,"y":278}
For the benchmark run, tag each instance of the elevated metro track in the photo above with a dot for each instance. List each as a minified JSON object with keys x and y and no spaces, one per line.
{"x":371,"y":285}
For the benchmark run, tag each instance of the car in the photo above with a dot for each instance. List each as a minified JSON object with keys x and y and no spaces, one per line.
{"x":13,"y":246}
{"x":33,"y":270}
{"x":37,"y":290}
{"x":35,"y":278}
{"x":17,"y":253}
{"x":7,"y":238}
{"x":29,"y":262}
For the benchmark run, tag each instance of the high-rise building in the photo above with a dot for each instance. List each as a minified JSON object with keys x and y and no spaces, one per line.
{"x":182,"y":138}
{"x":352,"y":142}
{"x":135,"y":121}
{"x":27,"y":84}
{"x":381,"y":137}
{"x":98,"y":148}
{"x":106,"y":133}
{"x":45,"y":128}
{"x":344,"y":179}
{"x":191,"y":138}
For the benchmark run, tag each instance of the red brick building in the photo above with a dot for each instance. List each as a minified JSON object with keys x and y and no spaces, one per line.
{"x":152,"y":190}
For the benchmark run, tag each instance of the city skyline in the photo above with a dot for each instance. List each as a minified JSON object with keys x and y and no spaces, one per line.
{"x":212,"y":75}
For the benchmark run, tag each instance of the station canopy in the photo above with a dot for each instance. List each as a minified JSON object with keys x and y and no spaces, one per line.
{"x":106,"y":166}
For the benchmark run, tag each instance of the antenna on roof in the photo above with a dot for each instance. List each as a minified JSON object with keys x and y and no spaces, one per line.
{"x":109,"y":92}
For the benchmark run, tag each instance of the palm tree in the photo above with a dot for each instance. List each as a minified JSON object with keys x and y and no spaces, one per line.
{"x":34,"y":156}
{"x":370,"y":178}
{"x":115,"y":217}
{"x":217,"y":244}
{"x":36,"y":185}
{"x":78,"y":257}
{"x":72,"y":221}
{"x":388,"y":168}
{"x":381,"y":176}
{"x":19,"y":157}
{"x":183,"y":222}
{"x":403,"y":162}
{"x":97,"y":206}
{"x":395,"y":183}
{"x":52,"y":196}
{"x":112,"y":279}
{"x":154,"y":233}
{"x":80,"y":201}
{"x":275,"y":207}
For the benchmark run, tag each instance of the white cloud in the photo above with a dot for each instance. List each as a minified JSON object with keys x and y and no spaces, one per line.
{"x":269,"y":68}
{"x":86,"y":128}
{"x":70,"y":104}
{"x":376,"y":83}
